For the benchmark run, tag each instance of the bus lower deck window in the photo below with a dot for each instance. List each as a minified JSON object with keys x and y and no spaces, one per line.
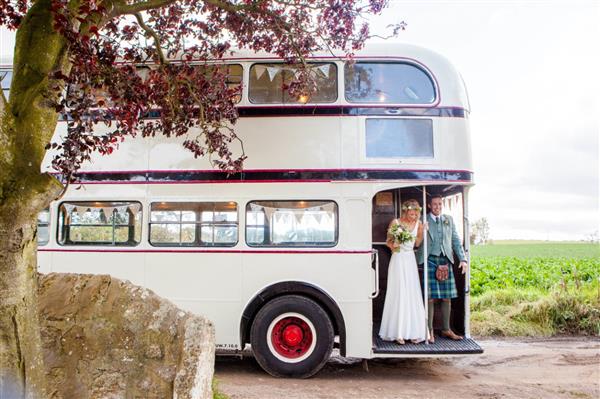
{"x":43,"y":227}
{"x":194,"y":224}
{"x":100,"y":223}
{"x":292,"y":223}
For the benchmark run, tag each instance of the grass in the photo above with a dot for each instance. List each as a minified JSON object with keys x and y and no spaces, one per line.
{"x":533,"y":312}
{"x":216,"y":393}
{"x":535,"y":289}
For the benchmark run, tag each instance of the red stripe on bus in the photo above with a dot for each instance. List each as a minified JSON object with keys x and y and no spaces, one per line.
{"x":261,"y":181}
{"x":236,"y":251}
{"x":269,"y":170}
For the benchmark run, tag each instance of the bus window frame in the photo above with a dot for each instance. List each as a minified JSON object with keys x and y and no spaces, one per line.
{"x":99,"y":244}
{"x":419,"y":66}
{"x":336,"y":233}
{"x":293,"y":104}
{"x":398,"y":160}
{"x":198,"y":224}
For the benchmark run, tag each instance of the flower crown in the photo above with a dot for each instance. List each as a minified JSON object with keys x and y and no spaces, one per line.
{"x":411,"y":207}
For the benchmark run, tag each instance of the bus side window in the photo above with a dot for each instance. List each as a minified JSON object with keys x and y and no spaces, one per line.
{"x":100,"y":223}
{"x":43,"y":227}
{"x":268,"y":84}
{"x":194,"y":224}
{"x":388,"y":83}
{"x":398,"y":138}
{"x":291,"y":223}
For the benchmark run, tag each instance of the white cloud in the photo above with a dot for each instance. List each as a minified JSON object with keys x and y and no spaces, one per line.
{"x":531,"y":71}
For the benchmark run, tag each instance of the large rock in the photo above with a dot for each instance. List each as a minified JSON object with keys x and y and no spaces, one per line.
{"x":107,"y":338}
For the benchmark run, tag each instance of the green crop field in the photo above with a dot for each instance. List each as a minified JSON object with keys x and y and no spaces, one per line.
{"x":531,"y":249}
{"x":535,"y":288}
{"x":533,"y":265}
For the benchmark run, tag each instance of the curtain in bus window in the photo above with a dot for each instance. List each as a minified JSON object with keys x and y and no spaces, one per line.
{"x":387,"y":83}
{"x":399,"y":138}
{"x":100,"y":223}
{"x":291,"y":223}
{"x":268,"y":83}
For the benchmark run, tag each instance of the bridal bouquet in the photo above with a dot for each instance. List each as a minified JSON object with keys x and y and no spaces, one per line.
{"x":400,"y":234}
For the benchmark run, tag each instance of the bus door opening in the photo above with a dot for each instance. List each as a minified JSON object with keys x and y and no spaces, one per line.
{"x":386,"y":207}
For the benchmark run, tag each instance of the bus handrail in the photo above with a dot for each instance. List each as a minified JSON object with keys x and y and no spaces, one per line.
{"x":375,"y":256}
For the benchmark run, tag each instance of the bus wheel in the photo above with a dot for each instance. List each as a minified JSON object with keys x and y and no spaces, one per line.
{"x":292,"y":336}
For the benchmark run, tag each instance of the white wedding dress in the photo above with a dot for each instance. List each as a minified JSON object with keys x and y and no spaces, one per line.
{"x":403,"y":310}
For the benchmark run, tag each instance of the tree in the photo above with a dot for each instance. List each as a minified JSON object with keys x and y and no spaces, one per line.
{"x":82,"y":58}
{"x":480,"y":232}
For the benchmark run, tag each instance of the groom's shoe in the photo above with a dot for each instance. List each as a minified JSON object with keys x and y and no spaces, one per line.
{"x":450,"y":334}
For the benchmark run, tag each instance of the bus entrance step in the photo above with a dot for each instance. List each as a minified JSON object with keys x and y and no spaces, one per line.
{"x":442,"y":346}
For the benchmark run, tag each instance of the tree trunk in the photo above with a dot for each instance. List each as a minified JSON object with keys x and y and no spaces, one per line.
{"x":27,"y":122}
{"x":21,"y":362}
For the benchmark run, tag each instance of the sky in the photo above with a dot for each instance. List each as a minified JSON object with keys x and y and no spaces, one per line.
{"x":531,"y":69}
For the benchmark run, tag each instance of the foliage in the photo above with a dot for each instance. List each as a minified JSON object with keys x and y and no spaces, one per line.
{"x":216,"y":393}
{"x":535,"y":289}
{"x":534,"y":312}
{"x":109,"y":42}
{"x":542,"y":273}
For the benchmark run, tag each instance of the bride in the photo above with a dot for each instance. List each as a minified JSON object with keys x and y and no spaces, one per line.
{"x":403,"y":310}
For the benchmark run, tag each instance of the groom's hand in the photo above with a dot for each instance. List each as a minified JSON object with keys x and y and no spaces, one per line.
{"x":464,"y":266}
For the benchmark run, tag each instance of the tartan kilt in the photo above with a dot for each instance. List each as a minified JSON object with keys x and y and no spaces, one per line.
{"x":440,"y":289}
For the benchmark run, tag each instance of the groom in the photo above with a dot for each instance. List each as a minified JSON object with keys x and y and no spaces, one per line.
{"x":443,"y":243}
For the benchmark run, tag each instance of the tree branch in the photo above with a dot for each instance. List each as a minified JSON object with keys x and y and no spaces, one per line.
{"x":123,"y":8}
{"x":151,"y":32}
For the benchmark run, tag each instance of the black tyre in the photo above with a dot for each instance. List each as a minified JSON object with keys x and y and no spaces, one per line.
{"x":292,"y":336}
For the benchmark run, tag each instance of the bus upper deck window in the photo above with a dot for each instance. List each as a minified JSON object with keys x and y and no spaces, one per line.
{"x":100,"y":223}
{"x":387,"y":83}
{"x":268,"y":84}
{"x":233,"y":75}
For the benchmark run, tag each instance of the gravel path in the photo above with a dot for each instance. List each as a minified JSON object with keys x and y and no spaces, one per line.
{"x":509,"y":368}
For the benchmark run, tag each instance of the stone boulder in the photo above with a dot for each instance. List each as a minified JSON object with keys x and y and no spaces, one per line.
{"x":107,"y":338}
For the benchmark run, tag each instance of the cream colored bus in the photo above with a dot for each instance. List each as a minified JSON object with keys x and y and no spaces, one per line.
{"x":287,"y":257}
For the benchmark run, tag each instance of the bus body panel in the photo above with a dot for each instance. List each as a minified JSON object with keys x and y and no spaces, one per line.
{"x":296,"y":155}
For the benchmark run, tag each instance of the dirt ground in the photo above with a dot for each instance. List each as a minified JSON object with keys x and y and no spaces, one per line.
{"x":509,"y":368}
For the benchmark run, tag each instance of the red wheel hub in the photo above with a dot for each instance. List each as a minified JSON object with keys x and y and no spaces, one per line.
{"x":291,"y":337}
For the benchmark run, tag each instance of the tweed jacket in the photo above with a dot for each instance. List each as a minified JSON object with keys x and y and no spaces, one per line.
{"x":450,"y":245}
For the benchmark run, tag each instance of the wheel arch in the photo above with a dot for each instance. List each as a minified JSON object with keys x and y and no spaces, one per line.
{"x":294,"y":288}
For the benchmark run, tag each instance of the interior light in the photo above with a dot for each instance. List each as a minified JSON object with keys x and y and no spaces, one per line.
{"x":303,"y":98}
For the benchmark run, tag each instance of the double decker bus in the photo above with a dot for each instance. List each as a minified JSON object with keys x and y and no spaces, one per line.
{"x":287,"y":257}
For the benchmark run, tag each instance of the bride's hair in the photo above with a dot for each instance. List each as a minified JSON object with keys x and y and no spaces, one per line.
{"x":411,"y":204}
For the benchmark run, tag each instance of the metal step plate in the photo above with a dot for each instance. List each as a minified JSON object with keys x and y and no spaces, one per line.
{"x":442,"y":346}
